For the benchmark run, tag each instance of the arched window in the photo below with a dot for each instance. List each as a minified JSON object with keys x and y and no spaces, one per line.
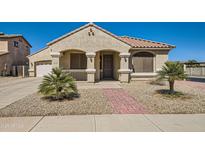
{"x":143,"y":62}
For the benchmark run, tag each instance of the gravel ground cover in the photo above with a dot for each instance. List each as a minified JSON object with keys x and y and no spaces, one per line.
{"x":192,"y":100}
{"x":90,"y":102}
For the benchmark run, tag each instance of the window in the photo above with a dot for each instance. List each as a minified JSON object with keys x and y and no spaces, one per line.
{"x":16,"y":44}
{"x":142,"y":62}
{"x":78,"y":61}
{"x":28,"y":49}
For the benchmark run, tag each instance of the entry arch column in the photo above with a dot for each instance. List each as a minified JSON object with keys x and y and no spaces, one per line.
{"x":91,"y":66}
{"x":55,"y":59}
{"x":124,"y":71}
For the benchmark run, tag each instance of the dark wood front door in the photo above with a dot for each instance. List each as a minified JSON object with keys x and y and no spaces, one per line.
{"x":108,"y":67}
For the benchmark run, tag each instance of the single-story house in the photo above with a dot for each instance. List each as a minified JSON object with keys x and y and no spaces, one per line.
{"x":91,"y":53}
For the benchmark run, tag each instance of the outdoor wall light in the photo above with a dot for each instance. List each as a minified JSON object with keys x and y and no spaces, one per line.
{"x":125,"y":59}
{"x":91,"y":60}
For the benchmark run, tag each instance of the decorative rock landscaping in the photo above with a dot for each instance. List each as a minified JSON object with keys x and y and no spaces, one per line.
{"x":134,"y":98}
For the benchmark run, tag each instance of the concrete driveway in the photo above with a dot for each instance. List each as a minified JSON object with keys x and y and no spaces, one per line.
{"x":13,"y":89}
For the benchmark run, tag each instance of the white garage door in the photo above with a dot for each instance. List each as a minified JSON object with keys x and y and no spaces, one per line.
{"x":43,"y":69}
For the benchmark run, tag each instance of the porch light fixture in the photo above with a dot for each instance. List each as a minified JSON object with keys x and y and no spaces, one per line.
{"x":125,"y":59}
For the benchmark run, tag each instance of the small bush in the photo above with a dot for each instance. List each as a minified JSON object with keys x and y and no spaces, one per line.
{"x":58,"y":85}
{"x":171,"y":71}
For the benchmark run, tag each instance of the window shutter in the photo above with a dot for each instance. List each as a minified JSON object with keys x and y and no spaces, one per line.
{"x":142,"y":62}
{"x":78,"y":61}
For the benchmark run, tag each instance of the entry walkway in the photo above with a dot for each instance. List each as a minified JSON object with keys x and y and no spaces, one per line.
{"x":106,"y":123}
{"x":122,"y":102}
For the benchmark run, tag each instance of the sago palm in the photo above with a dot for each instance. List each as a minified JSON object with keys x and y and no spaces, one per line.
{"x":58,"y":85}
{"x":172,"y":71}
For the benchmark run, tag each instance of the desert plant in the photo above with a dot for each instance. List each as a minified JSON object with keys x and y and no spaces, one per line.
{"x":171,"y":71}
{"x":58,"y":85}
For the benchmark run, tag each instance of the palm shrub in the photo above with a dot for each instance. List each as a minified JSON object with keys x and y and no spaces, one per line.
{"x":171,"y":71}
{"x":58,"y":85}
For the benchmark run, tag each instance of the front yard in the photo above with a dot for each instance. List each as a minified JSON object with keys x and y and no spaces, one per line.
{"x":90,"y":102}
{"x":96,"y":101}
{"x":193,"y":100}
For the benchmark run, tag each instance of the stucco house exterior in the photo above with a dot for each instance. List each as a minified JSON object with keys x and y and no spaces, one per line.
{"x":14,"y":49}
{"x":92,"y":54}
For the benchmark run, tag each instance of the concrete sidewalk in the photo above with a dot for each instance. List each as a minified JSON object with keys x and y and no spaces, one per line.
{"x":106,"y":123}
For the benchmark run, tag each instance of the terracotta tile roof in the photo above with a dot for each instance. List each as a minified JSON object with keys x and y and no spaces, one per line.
{"x":141,"y":43}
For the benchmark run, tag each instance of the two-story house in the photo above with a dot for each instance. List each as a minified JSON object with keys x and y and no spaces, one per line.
{"x":14,"y":49}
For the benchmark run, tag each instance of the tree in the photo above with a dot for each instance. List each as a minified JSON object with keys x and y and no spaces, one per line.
{"x":172,"y":71}
{"x":58,"y":85}
{"x":192,"y":63}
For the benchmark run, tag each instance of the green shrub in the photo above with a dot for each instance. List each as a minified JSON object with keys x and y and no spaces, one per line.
{"x":172,"y":71}
{"x":58,"y":85}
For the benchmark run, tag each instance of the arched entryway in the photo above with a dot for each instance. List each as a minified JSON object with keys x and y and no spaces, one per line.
{"x":107,"y":64}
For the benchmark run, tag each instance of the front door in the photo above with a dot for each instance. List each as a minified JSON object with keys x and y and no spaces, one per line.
{"x":107,"y":66}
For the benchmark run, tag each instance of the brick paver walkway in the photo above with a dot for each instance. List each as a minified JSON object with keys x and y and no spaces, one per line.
{"x":122,"y":102}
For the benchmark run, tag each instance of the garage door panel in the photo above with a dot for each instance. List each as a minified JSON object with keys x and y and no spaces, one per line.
{"x":43,"y":69}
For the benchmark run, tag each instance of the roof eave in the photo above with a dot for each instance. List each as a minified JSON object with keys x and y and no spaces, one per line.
{"x":153,"y":48}
{"x":37,"y":52}
{"x":17,"y":35}
{"x":83,"y":27}
{"x":67,"y":34}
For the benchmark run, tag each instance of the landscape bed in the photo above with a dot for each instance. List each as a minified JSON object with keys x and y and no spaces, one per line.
{"x":191,"y":99}
{"x":90,"y":102}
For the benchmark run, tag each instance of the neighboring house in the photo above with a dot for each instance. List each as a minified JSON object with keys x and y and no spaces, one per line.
{"x":92,"y":53}
{"x":14,"y":50}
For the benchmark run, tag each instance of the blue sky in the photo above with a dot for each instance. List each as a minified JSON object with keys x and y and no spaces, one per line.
{"x":189,"y":38}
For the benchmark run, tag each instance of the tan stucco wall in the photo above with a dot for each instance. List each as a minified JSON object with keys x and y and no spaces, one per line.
{"x":17,"y":55}
{"x":3,"y":46}
{"x":65,"y":60}
{"x":43,"y":55}
{"x":116,"y":65}
{"x":161,"y":58}
{"x":82,"y":41}
{"x":97,"y":66}
{"x":4,"y":59}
